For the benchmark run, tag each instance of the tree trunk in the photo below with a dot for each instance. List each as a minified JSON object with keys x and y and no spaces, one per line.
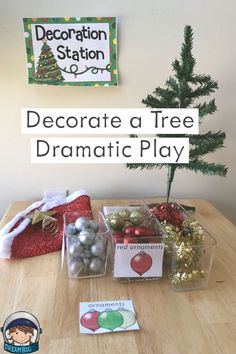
{"x":171,"y":173}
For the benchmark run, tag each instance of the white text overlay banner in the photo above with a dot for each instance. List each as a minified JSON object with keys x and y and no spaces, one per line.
{"x":109,"y":121}
{"x":109,"y":150}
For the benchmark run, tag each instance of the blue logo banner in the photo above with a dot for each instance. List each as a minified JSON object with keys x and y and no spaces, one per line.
{"x":21,"y":349}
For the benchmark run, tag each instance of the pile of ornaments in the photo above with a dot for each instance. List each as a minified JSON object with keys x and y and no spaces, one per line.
{"x":132,"y":226}
{"x":86,"y":249}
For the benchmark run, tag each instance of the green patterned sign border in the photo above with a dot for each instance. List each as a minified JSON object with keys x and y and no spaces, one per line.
{"x":113,"y":48}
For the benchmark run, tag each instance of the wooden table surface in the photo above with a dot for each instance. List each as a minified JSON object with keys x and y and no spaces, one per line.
{"x":171,"y":322}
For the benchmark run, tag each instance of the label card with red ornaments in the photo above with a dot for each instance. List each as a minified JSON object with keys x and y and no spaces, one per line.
{"x":107,"y":316}
{"x":136,"y":260}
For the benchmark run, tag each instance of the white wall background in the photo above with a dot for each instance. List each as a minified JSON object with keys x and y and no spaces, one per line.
{"x":150,"y":33}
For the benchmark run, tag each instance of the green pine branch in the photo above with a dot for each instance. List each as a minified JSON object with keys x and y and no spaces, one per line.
{"x":207,"y":138}
{"x":145,"y":166}
{"x":205,"y":168}
{"x":206,"y":108}
{"x":205,"y":89}
{"x":166,"y":101}
{"x":206,"y":144}
{"x":187,"y":60}
{"x":172,"y":83}
{"x":201,"y":79}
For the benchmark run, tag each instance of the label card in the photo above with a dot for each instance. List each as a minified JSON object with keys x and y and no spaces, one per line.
{"x":71,"y":51}
{"x":107,"y":316}
{"x":138,"y":260}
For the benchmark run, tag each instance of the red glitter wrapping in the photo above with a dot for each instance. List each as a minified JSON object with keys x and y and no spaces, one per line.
{"x":33,"y":242}
{"x":168,"y":212}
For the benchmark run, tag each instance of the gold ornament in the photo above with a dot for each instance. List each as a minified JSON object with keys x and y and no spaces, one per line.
{"x":49,"y":224}
{"x":39,"y":215}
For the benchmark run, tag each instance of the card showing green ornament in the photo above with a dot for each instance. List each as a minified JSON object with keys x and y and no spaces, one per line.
{"x":76,"y":51}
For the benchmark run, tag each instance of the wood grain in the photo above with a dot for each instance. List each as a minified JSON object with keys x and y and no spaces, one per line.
{"x":196,"y":322}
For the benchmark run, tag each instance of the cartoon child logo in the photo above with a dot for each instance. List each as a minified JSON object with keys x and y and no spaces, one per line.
{"x":21,"y":331}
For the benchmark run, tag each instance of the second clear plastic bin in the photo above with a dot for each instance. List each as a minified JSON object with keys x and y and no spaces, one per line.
{"x":137,"y":243}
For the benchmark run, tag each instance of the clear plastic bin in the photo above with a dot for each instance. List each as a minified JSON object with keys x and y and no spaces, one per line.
{"x":187,"y":260}
{"x":86,"y":236}
{"x":137,"y":243}
{"x":193,"y":272}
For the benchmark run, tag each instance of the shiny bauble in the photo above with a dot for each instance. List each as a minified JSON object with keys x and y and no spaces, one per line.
{"x":124,"y":213}
{"x":94,"y":225}
{"x":98,"y":248}
{"x":116,"y":222}
{"x":87,"y":237}
{"x":71,"y":229}
{"x":118,"y":235}
{"x":96,"y":265}
{"x":142,"y":231}
{"x":103,"y":257}
{"x":129,"y":229}
{"x":86,"y":254}
{"x":130,"y":239}
{"x":110,"y":216}
{"x":127,"y":223}
{"x":136,"y":216}
{"x":75,"y":267}
{"x":75,"y":249}
{"x":82,"y":223}
{"x":100,"y":238}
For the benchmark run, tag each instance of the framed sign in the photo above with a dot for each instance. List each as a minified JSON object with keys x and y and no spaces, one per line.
{"x":79,"y":51}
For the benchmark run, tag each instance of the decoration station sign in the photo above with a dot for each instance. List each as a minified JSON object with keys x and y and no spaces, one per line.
{"x":71,"y":51}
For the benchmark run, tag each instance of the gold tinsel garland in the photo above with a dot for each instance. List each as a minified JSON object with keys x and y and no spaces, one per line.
{"x":184,"y":246}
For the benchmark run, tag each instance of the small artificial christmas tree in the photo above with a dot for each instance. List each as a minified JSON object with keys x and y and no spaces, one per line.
{"x":47,"y":70}
{"x":181,"y":91}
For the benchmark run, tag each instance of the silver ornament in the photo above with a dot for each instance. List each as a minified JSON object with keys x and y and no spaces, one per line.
{"x":71,"y":229}
{"x":76,"y":267}
{"x":86,"y":254}
{"x":87,"y":237}
{"x":94,"y":225}
{"x":75,"y":249}
{"x":82,"y":223}
{"x":103,"y":256}
{"x":98,"y":248}
{"x":96,"y":265}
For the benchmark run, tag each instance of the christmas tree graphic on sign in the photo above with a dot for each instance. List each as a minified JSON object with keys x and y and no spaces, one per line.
{"x":47,"y":70}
